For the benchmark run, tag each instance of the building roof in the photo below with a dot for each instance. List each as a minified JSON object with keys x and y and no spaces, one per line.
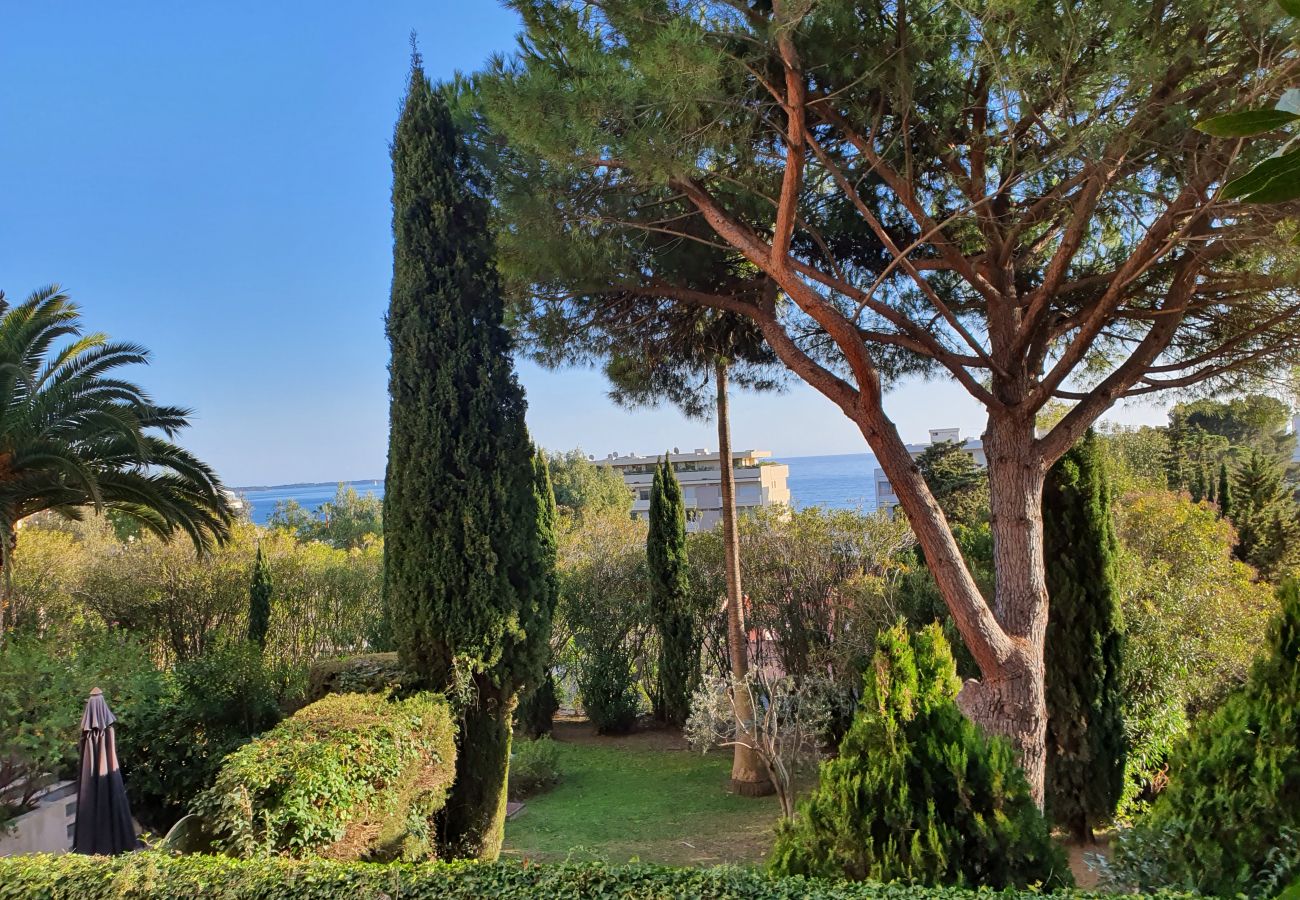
{"x":700,"y":454}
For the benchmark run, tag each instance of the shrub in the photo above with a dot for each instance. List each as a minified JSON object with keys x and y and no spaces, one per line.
{"x":608,"y":688}
{"x":43,"y":690}
{"x":534,"y":767}
{"x":1232,"y":807}
{"x":535,"y":716}
{"x":918,"y":794}
{"x":351,"y":776}
{"x":369,"y":673}
{"x":154,"y":876}
{"x":172,"y":747}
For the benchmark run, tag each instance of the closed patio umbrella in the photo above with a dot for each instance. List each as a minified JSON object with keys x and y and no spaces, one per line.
{"x":103,"y":816}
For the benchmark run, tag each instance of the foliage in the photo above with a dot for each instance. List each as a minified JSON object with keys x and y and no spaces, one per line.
{"x":535,"y":715}
{"x":584,"y":486}
{"x":172,"y":746}
{"x":1251,"y":422}
{"x":352,"y":776}
{"x":1265,"y":515}
{"x":603,"y":606}
{"x":607,"y":686}
{"x":153,"y":876}
{"x":1137,"y":458}
{"x":539,"y":699}
{"x":76,"y":435}
{"x":674,"y":620}
{"x":348,"y":522}
{"x":1193,"y":617}
{"x":368,"y":673}
{"x":259,"y":601}
{"x":958,"y":483}
{"x":1086,"y":748}
{"x":534,"y":767}
{"x":790,"y":719}
{"x":465,"y":570}
{"x":821,"y":584}
{"x":1234,"y":784}
{"x":75,"y":576}
{"x":43,"y":688}
{"x":918,"y":793}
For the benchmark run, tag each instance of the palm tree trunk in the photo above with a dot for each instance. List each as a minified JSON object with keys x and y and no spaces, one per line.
{"x":748,"y":775}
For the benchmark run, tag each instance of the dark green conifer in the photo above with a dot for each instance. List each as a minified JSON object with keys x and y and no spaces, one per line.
{"x":1225,"y":491}
{"x":259,"y":600}
{"x":465,"y":575}
{"x":1086,"y":747}
{"x":539,"y":703}
{"x":670,"y":596}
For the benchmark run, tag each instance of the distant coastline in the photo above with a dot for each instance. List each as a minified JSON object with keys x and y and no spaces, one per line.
{"x":838,"y":481}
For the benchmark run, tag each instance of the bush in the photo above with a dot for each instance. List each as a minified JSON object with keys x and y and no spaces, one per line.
{"x":534,"y":767}
{"x":352,"y":776}
{"x":918,"y":794}
{"x":608,"y":688}
{"x":369,"y":673}
{"x":43,"y":690}
{"x":154,"y":876}
{"x":172,"y":747}
{"x":1232,"y":807}
{"x":535,"y":716}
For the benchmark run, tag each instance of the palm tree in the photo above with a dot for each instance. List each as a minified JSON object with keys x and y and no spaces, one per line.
{"x":73,"y":436}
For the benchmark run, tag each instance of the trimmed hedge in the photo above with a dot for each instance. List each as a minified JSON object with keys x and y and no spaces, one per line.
{"x":352,"y":776}
{"x":367,"y":673}
{"x":155,"y":876}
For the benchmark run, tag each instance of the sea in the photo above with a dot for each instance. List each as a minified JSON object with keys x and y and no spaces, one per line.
{"x":836,"y":482}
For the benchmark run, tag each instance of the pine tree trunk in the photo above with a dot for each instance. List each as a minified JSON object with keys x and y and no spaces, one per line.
{"x":1012,"y":699}
{"x":473,"y":821}
{"x":748,"y":774}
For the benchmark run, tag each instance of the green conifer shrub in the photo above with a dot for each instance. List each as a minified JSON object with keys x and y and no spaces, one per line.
{"x":465,"y":569}
{"x":670,"y":597}
{"x":259,"y":601}
{"x":1086,"y":746}
{"x":1234,"y":785}
{"x":918,"y":793}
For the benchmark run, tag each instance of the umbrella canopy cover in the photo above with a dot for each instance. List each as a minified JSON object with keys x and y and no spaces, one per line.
{"x":104,"y":823}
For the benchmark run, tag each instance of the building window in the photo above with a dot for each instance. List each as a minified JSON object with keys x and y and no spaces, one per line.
{"x":643,"y":494}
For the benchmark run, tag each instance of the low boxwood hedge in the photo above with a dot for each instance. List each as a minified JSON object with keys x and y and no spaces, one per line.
{"x":352,"y":776}
{"x":156,"y":876}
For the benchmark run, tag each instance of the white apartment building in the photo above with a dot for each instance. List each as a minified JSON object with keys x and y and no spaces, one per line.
{"x":759,"y":482}
{"x":973,"y":447}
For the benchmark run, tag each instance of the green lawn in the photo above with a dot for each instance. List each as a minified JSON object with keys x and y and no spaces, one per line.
{"x":619,"y":802}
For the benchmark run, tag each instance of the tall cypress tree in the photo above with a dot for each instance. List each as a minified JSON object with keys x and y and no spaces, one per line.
{"x":259,"y":600}
{"x":539,"y":703}
{"x":1086,"y":748}
{"x":1225,"y":491}
{"x":465,"y":576}
{"x":679,"y":652}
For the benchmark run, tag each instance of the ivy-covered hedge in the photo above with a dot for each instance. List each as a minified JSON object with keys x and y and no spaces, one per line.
{"x":154,"y":876}
{"x":352,"y":776}
{"x":366,"y":673}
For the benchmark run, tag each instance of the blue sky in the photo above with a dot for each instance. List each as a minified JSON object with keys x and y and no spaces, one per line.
{"x":211,"y":180}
